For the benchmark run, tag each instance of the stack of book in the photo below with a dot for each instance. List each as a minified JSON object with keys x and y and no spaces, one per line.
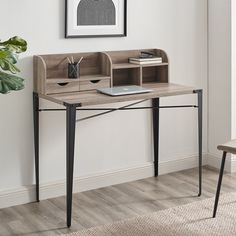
{"x":145,"y":61}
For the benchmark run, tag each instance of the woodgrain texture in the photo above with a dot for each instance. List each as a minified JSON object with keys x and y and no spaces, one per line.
{"x":54,"y":88}
{"x":193,"y":219}
{"x":229,"y":147}
{"x":94,"y":84}
{"x":111,"y":204}
{"x":51,"y":71}
{"x":40,"y":75}
{"x":95,"y":98}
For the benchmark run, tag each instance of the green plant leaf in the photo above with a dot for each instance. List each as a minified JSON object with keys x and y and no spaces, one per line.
{"x":9,"y":51}
{"x":7,"y":61}
{"x":10,"y":82}
{"x":15,"y":44}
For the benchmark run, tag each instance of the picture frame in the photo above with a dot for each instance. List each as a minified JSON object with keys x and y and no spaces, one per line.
{"x":95,"y":18}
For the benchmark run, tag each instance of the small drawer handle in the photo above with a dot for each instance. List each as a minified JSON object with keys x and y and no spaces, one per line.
{"x":62,"y":84}
{"x":94,"y":81}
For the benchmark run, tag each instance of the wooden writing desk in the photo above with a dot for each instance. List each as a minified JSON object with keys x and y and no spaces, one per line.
{"x":103,"y":70}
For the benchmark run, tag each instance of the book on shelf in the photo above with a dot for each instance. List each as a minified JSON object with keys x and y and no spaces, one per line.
{"x":145,"y":59}
{"x":145,"y":62}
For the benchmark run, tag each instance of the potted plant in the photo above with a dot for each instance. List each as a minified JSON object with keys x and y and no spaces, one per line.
{"x":9,"y":51}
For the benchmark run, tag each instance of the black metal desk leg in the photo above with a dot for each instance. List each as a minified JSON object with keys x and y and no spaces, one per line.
{"x":36,"y":141}
{"x":199,"y":93}
{"x":70,"y":144}
{"x":156,"y":103}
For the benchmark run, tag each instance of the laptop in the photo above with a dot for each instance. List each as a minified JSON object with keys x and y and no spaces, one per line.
{"x":124,"y":90}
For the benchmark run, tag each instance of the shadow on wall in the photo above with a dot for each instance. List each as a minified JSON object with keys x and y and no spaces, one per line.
{"x":61,"y":19}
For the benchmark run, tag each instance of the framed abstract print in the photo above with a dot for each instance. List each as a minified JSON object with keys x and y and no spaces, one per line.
{"x":96,"y":18}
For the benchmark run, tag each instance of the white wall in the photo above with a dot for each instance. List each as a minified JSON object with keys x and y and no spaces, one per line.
{"x":219,"y":74}
{"x":233,"y":78}
{"x":233,"y":68}
{"x":222,"y":79}
{"x":118,"y":141}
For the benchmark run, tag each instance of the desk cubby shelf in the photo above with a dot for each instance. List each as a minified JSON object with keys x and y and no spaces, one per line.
{"x":97,"y":70}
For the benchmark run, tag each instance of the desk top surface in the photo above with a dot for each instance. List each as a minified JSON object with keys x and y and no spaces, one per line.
{"x":94,"y":98}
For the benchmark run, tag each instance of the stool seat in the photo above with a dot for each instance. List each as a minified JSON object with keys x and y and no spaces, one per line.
{"x":229,"y":147}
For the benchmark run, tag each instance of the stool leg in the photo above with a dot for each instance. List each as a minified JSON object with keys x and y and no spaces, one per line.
{"x":219,"y":183}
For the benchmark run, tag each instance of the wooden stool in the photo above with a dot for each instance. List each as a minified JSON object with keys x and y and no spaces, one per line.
{"x":229,"y":147}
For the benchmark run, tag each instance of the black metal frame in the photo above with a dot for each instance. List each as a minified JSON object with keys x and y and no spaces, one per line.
{"x":219,"y":183}
{"x":200,"y":110}
{"x":95,"y":36}
{"x":70,"y":137}
{"x":156,"y":122}
{"x":70,"y":147}
{"x":36,"y":140}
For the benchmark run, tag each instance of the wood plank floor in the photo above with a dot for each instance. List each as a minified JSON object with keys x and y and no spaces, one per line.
{"x":107,"y":205}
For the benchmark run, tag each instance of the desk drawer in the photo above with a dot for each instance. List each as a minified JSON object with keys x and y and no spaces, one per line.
{"x":94,"y":84}
{"x":62,"y":87}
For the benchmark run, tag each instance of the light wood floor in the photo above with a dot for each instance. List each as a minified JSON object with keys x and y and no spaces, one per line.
{"x":107,"y":205}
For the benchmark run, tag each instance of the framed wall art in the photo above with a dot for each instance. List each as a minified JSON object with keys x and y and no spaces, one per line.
{"x":96,"y":18}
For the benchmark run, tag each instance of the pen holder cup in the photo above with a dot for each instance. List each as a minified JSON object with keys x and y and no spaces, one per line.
{"x":73,"y":70}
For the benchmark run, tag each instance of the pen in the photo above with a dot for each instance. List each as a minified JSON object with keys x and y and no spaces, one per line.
{"x":80,"y":60}
{"x":68,"y":60}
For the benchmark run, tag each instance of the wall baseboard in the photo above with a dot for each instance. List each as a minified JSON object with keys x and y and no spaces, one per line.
{"x":215,"y":162}
{"x":233,"y":165}
{"x":55,"y":189}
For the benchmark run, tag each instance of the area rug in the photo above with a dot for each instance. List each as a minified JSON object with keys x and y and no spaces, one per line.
{"x":187,"y":220}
